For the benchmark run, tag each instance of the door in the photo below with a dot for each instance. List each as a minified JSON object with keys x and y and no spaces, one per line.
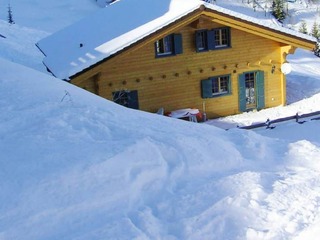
{"x":251,"y":91}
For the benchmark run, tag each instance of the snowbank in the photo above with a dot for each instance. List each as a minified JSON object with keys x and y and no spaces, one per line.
{"x":76,"y":166}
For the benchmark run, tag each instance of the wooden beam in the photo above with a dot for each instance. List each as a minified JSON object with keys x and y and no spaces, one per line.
{"x":253,"y":65}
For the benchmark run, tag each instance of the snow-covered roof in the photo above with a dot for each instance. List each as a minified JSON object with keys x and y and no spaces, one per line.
{"x":116,"y":27}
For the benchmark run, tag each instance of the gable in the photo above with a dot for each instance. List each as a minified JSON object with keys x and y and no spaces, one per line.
{"x":112,"y":31}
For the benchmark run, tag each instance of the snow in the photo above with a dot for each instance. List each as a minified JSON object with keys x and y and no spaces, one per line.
{"x":102,"y":34}
{"x":20,"y":48}
{"x":108,"y":31}
{"x":75,"y":166}
{"x":47,"y":15}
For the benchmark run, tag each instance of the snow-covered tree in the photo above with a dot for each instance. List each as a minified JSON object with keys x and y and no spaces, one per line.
{"x":303,"y":27}
{"x":278,"y":10}
{"x":315,"y":32}
{"x":10,"y":17}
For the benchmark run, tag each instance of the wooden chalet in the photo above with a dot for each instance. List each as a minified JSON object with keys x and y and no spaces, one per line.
{"x":205,"y":57}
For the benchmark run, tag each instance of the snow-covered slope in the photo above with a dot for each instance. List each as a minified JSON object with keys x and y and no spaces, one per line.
{"x":75,"y":166}
{"x":18,"y":45}
{"x":49,"y":15}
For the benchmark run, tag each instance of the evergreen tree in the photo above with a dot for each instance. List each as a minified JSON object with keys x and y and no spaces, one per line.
{"x":303,"y":27}
{"x":278,"y":10}
{"x":10,"y":18}
{"x":315,"y":30}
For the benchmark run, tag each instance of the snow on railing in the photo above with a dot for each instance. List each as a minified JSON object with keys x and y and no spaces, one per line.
{"x":270,"y":124}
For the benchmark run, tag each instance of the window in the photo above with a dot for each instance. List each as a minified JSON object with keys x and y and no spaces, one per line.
{"x":212,"y":39}
{"x":220,"y":85}
{"x":216,"y":86}
{"x":201,"y":40}
{"x":221,"y":37}
{"x":169,"y":45}
{"x":164,"y":45}
{"x":126,"y":98}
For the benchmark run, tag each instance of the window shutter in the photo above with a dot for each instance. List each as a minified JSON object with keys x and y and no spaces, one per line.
{"x":210,"y":39}
{"x":260,"y":90}
{"x":242,"y":93}
{"x":229,"y":84}
{"x":229,"y":37}
{"x":206,"y":88}
{"x":177,"y":41}
{"x":198,"y":39}
{"x":133,"y":99}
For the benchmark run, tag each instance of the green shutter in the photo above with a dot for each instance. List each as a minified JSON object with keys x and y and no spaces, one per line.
{"x":260,"y":90}
{"x":242,"y":93}
{"x":133,"y":99}
{"x":206,"y":88}
{"x":177,"y":41}
{"x":210,"y":39}
{"x":229,"y":85}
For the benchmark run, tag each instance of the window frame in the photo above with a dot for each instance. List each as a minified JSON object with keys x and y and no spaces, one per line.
{"x":208,"y":86}
{"x":126,"y":98}
{"x":162,"y":44}
{"x":220,"y":80}
{"x":223,"y":34}
{"x":169,"y":45}
{"x":220,"y":32}
{"x":202,"y":40}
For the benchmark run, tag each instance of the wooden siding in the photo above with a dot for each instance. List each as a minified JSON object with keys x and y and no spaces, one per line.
{"x":173,"y":82}
{"x":90,"y":84}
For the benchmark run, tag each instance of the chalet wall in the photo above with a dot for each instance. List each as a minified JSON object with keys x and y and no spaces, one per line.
{"x":173,"y":82}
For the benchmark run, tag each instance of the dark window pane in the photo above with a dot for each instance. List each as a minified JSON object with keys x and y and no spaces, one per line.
{"x":202,"y":40}
{"x":215,"y":85}
{"x":164,"y":45}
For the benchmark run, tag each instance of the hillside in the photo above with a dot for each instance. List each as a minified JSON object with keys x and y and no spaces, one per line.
{"x":78,"y":167}
{"x":48,"y":16}
{"x":75,"y":166}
